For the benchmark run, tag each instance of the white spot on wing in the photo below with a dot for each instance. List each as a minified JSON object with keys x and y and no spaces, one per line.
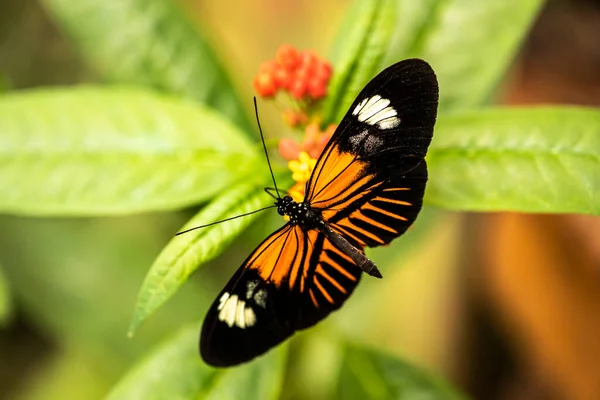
{"x":234,"y":311}
{"x":356,"y":140}
{"x":377,"y":111}
{"x":359,"y":107}
{"x":227,"y":313}
{"x":249,"y":316}
{"x":389,"y":123}
{"x":250,"y":286}
{"x":222,"y":301}
{"x":240,"y":320}
{"x":369,"y":143}
{"x":260,"y":298}
{"x":372,"y":143}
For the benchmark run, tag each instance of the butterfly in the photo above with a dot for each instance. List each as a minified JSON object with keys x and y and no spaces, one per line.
{"x":366,"y":189}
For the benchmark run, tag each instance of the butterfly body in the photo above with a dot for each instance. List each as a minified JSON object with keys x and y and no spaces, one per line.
{"x":307,"y":217}
{"x":301,"y":214}
{"x":366,"y":189}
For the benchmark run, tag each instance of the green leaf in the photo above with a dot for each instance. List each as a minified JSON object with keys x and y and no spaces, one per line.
{"x":469,"y":43}
{"x":544,"y":159}
{"x":360,"y":46}
{"x":150,"y":43}
{"x":94,"y":151}
{"x":367,"y":374}
{"x":185,"y":253}
{"x":5,"y":299}
{"x":90,"y":270}
{"x":176,"y":371}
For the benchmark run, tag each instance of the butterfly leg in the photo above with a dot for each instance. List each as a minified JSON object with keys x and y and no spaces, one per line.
{"x":362,"y":261}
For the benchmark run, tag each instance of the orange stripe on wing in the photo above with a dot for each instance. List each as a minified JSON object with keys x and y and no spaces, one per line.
{"x":322,"y":289}
{"x":297,"y":265}
{"x":335,"y":283}
{"x":312,"y":297}
{"x":359,"y":215}
{"x":310,"y":242}
{"x":387,"y":200}
{"x":369,"y":206}
{"x":334,"y":174}
{"x":343,"y":230}
{"x":352,"y":194}
{"x":280,"y":268}
{"x":339,"y":268}
{"x":363,"y":232}
{"x":275,"y":256}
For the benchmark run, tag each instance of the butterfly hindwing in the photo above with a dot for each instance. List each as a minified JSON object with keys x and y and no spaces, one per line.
{"x":382,"y":211}
{"x":291,"y":281}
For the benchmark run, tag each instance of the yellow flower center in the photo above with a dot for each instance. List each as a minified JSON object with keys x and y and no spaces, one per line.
{"x":302,"y":167}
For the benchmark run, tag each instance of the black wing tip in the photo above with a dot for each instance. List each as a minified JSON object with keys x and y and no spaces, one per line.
{"x":416,"y":70}
{"x":217,"y":362}
{"x":218,"y":355}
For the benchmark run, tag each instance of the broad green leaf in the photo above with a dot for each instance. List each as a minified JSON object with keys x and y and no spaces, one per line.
{"x":150,"y":43}
{"x":413,"y":18}
{"x":76,"y":279}
{"x":368,"y":374}
{"x":544,"y":159}
{"x":176,"y":371}
{"x":95,"y":151}
{"x":469,"y":43}
{"x":5,"y":300}
{"x":361,"y":43}
{"x":185,"y":253}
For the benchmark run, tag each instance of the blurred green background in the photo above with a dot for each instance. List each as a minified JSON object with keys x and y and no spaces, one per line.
{"x":504,"y":306}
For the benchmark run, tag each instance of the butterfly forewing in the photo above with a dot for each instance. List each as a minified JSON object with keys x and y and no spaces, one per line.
{"x":387,"y":129}
{"x":370,"y":180}
{"x":291,"y":281}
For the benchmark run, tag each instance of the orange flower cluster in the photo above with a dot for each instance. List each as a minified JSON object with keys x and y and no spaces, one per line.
{"x":303,"y":75}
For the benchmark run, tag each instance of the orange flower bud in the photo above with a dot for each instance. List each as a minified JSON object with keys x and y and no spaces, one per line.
{"x":317,"y":88}
{"x":308,"y":61}
{"x":323,"y":70}
{"x":287,"y":57}
{"x":330,"y":129}
{"x":289,"y":149}
{"x":323,"y":140}
{"x":297,"y":89}
{"x":282,"y":77}
{"x":294,"y":118}
{"x":265,"y":85}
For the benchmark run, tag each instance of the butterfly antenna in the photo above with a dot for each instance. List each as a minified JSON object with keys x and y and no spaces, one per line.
{"x":262,"y":138}
{"x":223,"y":220}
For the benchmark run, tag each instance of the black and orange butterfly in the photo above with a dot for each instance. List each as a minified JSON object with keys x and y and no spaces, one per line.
{"x":365,"y":190}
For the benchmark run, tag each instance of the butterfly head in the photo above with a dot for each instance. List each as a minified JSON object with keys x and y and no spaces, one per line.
{"x":299,"y":213}
{"x":283,"y":205}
